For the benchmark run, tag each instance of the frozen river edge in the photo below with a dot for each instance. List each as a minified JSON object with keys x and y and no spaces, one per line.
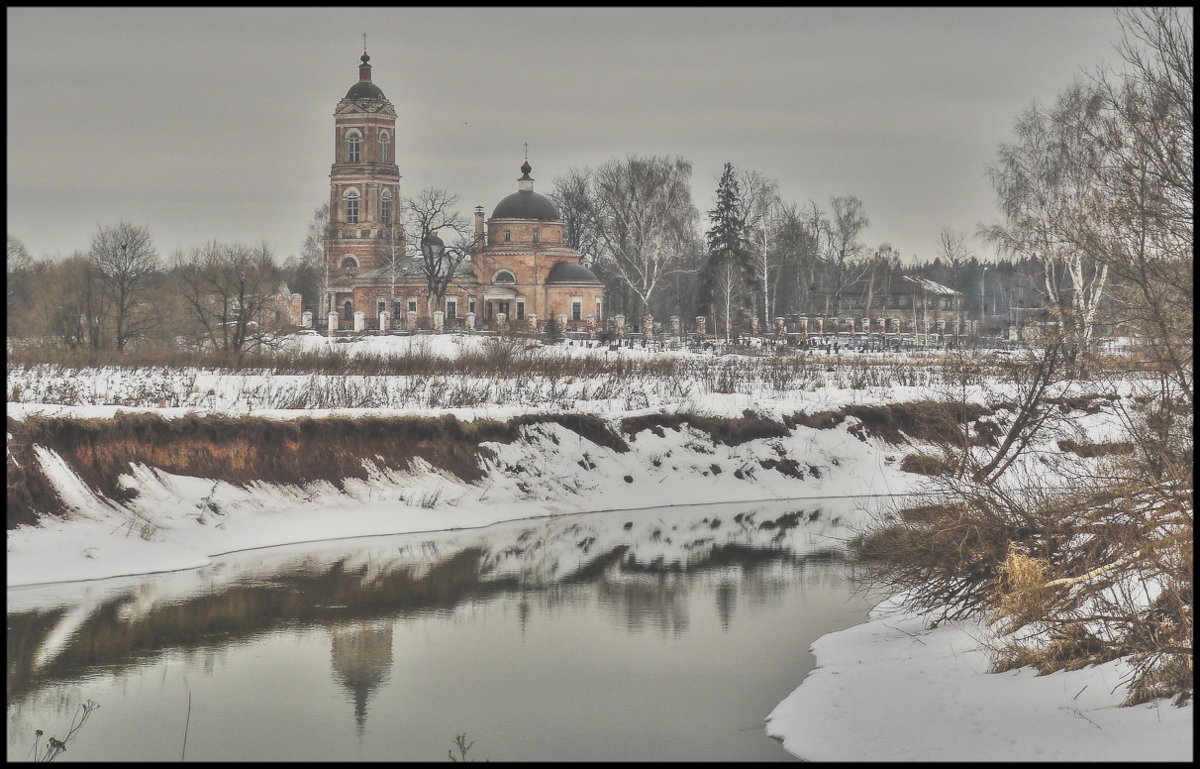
{"x":915,"y":693}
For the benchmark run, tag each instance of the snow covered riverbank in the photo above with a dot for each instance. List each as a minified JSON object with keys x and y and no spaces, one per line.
{"x":893,"y":689}
{"x":886,"y":690}
{"x":179,"y":522}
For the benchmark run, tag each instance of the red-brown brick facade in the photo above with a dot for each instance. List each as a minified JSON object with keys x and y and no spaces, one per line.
{"x":520,"y":275}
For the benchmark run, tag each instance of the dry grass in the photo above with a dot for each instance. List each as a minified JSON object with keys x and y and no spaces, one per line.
{"x":925,"y":464}
{"x":243,"y":450}
{"x":1067,"y":577}
{"x":1095,"y":449}
{"x":938,"y":422}
{"x":731,"y":431}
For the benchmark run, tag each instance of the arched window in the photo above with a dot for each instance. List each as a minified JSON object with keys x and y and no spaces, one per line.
{"x":348,"y":311}
{"x":504,"y":276}
{"x":352,"y":207}
{"x":385,"y":208}
{"x":349,"y":263}
{"x":384,"y":145}
{"x":537,"y":235}
{"x":507,"y":236}
{"x":353,"y":154}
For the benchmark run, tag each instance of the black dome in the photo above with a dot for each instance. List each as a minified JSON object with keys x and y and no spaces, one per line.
{"x":526,"y":204}
{"x":432,"y":240}
{"x":569,"y":272}
{"x":365,"y":89}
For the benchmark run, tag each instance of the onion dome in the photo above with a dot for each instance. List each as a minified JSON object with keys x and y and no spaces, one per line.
{"x":364,"y":88}
{"x":569,"y":272}
{"x":525,"y":203}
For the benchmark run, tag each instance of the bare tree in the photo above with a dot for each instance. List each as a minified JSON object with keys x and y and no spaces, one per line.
{"x":1097,"y":565}
{"x":800,"y":240}
{"x":18,"y":272}
{"x":1045,"y":181}
{"x":1140,"y":221}
{"x":644,"y":220}
{"x":69,"y":305}
{"x":312,"y":268}
{"x":429,"y":213}
{"x":124,"y":259}
{"x":394,"y":238}
{"x":729,"y":289}
{"x":230,"y":291}
{"x":760,"y":198}
{"x":843,"y":247}
{"x":882,"y":265}
{"x":952,"y":247}
{"x":573,"y":196}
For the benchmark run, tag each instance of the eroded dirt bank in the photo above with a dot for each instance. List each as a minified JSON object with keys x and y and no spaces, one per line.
{"x":244,"y":450}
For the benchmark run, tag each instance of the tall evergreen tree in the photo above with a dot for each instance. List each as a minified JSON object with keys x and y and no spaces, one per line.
{"x":729,"y":265}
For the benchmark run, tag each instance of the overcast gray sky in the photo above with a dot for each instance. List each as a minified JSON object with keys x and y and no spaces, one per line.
{"x":209,"y":123}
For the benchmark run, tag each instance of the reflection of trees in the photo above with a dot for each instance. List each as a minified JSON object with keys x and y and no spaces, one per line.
{"x":26,"y":634}
{"x":311,"y":594}
{"x":726,"y":595}
{"x":659,"y":602}
{"x":238,"y":612}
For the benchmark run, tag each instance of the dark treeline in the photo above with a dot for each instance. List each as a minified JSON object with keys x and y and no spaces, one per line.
{"x":231,"y":297}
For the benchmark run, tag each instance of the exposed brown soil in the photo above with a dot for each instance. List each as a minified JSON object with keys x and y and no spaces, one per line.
{"x":241,"y":450}
{"x":731,"y":431}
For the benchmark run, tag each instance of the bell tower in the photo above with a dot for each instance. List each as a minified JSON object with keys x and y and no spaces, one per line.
{"x":364,"y":190}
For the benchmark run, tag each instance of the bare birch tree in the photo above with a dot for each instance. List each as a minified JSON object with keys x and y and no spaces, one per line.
{"x":1042,"y":180}
{"x":393,"y":260}
{"x":312,"y":262}
{"x":644,"y":220}
{"x":843,"y":247}
{"x":760,"y":198}
{"x":1140,"y":221}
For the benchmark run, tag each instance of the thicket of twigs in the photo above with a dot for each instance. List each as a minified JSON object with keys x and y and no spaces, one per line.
{"x":1089,"y":559}
{"x":1084,"y":566}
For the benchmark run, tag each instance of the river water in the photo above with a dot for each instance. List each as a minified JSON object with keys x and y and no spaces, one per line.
{"x":634,"y":635}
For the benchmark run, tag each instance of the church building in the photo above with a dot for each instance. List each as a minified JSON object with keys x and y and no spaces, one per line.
{"x":519,"y":273}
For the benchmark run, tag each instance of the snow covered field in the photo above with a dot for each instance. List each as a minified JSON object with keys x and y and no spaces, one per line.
{"x":717,"y":385}
{"x":886,"y":690}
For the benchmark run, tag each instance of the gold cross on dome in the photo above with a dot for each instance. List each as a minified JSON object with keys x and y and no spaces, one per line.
{"x":527,"y":151}
{"x":364,"y":42}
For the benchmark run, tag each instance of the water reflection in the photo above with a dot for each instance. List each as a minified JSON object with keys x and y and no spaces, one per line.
{"x":652,"y":573}
{"x":362,"y":662}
